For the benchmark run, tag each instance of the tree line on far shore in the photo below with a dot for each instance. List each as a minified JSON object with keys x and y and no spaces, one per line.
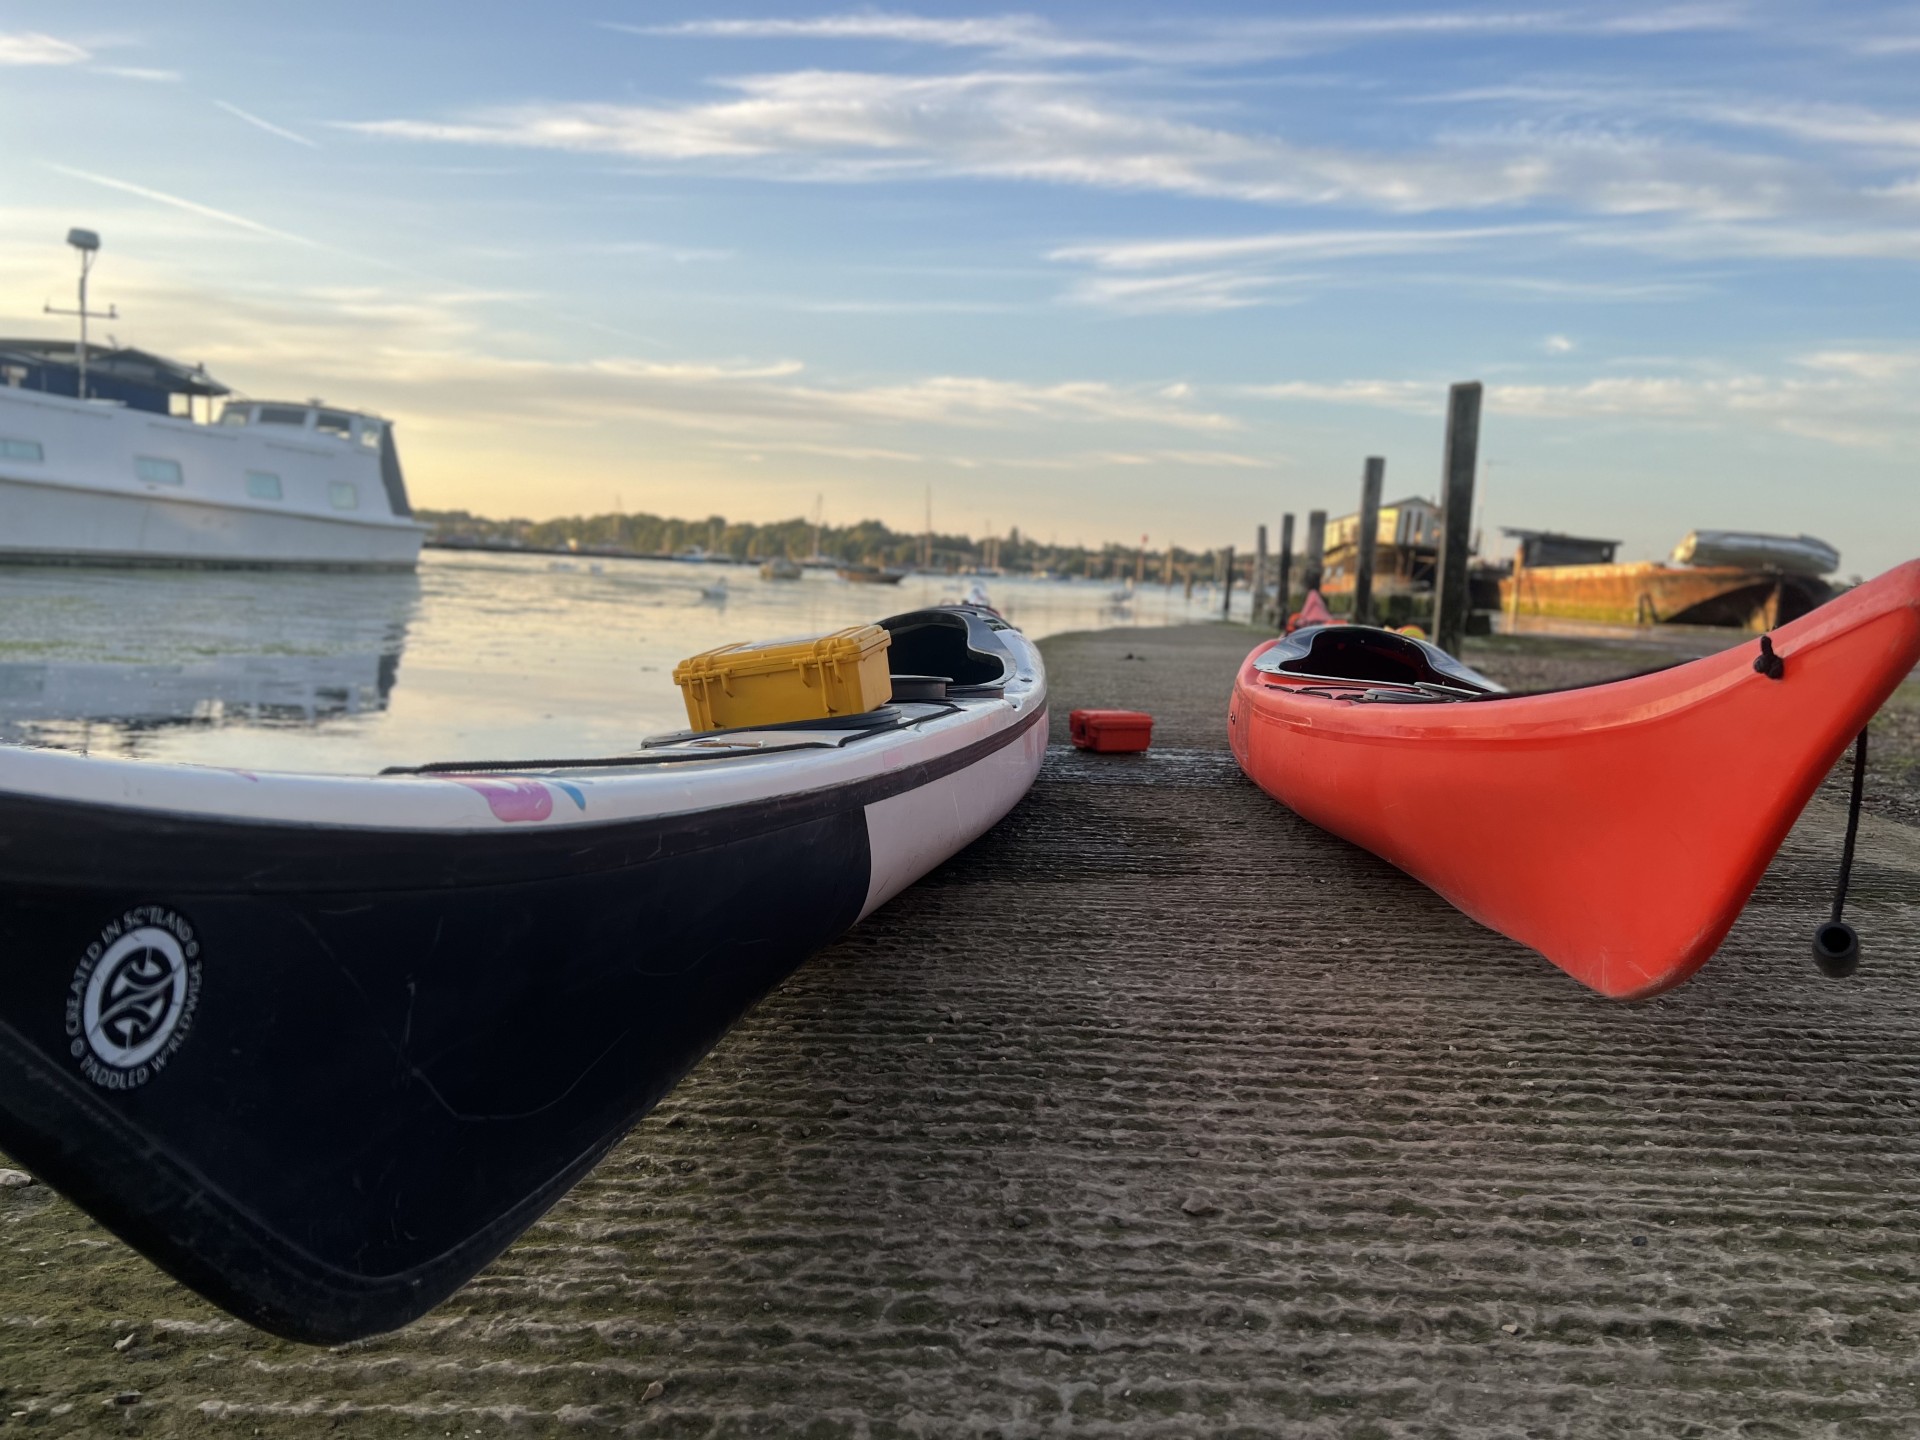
{"x":867,"y":542}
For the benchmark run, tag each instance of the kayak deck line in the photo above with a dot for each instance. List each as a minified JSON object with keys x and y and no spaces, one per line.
{"x":737,"y":744}
{"x":323,"y":1065}
{"x":1617,"y":829}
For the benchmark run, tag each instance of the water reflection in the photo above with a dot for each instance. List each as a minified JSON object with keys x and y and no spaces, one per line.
{"x":61,"y":702}
{"x":506,"y":656}
{"x":119,"y":655}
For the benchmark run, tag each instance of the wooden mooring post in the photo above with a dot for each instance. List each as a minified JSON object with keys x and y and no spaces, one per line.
{"x":1451,"y":595}
{"x":1283,"y":589}
{"x":1259,"y":591}
{"x":1226,"y":585}
{"x":1316,"y":550}
{"x":1364,"y":538}
{"x":1519,"y":569}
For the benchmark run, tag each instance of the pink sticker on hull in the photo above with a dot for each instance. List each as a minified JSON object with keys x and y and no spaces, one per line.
{"x":510,"y":799}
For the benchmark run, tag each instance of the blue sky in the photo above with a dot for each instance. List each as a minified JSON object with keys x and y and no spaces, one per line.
{"x":1095,"y":270}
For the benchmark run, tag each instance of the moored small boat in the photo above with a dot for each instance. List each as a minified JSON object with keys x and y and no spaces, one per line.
{"x":871,"y":575}
{"x":322,"y":1046}
{"x":1618,"y":829}
{"x":1788,"y":554}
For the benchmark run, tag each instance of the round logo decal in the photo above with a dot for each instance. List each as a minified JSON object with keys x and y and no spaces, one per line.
{"x":133,"y":995}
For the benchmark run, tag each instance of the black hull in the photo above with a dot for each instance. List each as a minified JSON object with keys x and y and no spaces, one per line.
{"x":378,"y":1084}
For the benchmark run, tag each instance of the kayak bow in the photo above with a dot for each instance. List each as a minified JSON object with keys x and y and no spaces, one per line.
{"x":1618,"y":829}
{"x":322,"y":1046}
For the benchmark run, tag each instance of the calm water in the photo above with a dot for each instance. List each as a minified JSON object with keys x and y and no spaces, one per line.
{"x":475,"y":656}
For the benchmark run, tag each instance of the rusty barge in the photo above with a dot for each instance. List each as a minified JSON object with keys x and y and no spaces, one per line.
{"x":1571,"y":578}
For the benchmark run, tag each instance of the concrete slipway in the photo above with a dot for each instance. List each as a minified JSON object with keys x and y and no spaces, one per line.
{"x":1160,"y":1113}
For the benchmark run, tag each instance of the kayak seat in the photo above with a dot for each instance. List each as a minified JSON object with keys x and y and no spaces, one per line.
{"x":956,"y":644}
{"x":1373,"y":657}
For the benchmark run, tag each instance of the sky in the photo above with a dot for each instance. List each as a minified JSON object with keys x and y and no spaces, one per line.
{"x":1097,"y":271}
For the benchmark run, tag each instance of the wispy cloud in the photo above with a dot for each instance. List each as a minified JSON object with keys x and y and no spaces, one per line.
{"x":1415,"y":397}
{"x":266,"y":125}
{"x":1040,"y":127}
{"x":860,"y":454}
{"x":1199,"y":40}
{"x":138,"y":72}
{"x":1852,"y":126}
{"x":1012,"y":35}
{"x":176,"y":202}
{"x":1890,"y":45}
{"x":1289,"y":244}
{"x":1240,"y":270}
{"x":29,"y":47}
{"x":434,"y":356}
{"x":241,"y":222}
{"x":1192,"y":459}
{"x":1857,"y":399}
{"x":1873,"y":365}
{"x":1191,"y":293}
{"x":1860,"y":128}
{"x":1708,"y":240}
{"x":1245,"y":270}
{"x":779,"y":402}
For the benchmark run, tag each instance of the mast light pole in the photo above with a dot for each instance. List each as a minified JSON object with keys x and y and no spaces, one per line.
{"x":87,"y":242}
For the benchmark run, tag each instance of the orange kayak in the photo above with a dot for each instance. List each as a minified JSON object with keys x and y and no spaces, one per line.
{"x":1617,"y":829}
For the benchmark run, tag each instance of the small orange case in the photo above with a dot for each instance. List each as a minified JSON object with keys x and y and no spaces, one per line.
{"x":1110,"y":732}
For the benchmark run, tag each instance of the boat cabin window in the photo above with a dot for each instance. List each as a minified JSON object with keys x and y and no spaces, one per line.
{"x":332,"y":422}
{"x":235,"y":415}
{"x":281,"y":415}
{"x":20,"y":449}
{"x":158,"y":470}
{"x":263,"y":485}
{"x":367,"y":432}
{"x":344,"y":495}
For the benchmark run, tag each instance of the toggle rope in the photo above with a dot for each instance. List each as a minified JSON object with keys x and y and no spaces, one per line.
{"x":1836,"y":948}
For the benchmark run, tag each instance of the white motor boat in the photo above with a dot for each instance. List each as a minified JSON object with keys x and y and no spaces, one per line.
{"x":116,"y":478}
{"x":103,"y":459}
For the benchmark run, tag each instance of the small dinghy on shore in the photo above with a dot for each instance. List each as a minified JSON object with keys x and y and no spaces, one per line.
{"x":1618,"y":828}
{"x":323,"y":1046}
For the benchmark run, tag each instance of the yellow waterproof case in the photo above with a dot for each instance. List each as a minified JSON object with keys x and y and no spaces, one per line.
{"x":765,"y":683}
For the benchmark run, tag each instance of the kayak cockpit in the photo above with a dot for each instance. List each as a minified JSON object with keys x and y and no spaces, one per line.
{"x":957,"y":645}
{"x":1359,"y":662}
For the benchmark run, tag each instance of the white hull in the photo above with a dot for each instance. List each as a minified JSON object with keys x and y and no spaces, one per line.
{"x":83,"y":499}
{"x":68,"y":524}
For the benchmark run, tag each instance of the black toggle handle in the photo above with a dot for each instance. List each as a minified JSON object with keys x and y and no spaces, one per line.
{"x":1836,"y":949}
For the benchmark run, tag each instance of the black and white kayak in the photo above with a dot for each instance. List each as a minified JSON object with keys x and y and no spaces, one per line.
{"x":322,"y":1046}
